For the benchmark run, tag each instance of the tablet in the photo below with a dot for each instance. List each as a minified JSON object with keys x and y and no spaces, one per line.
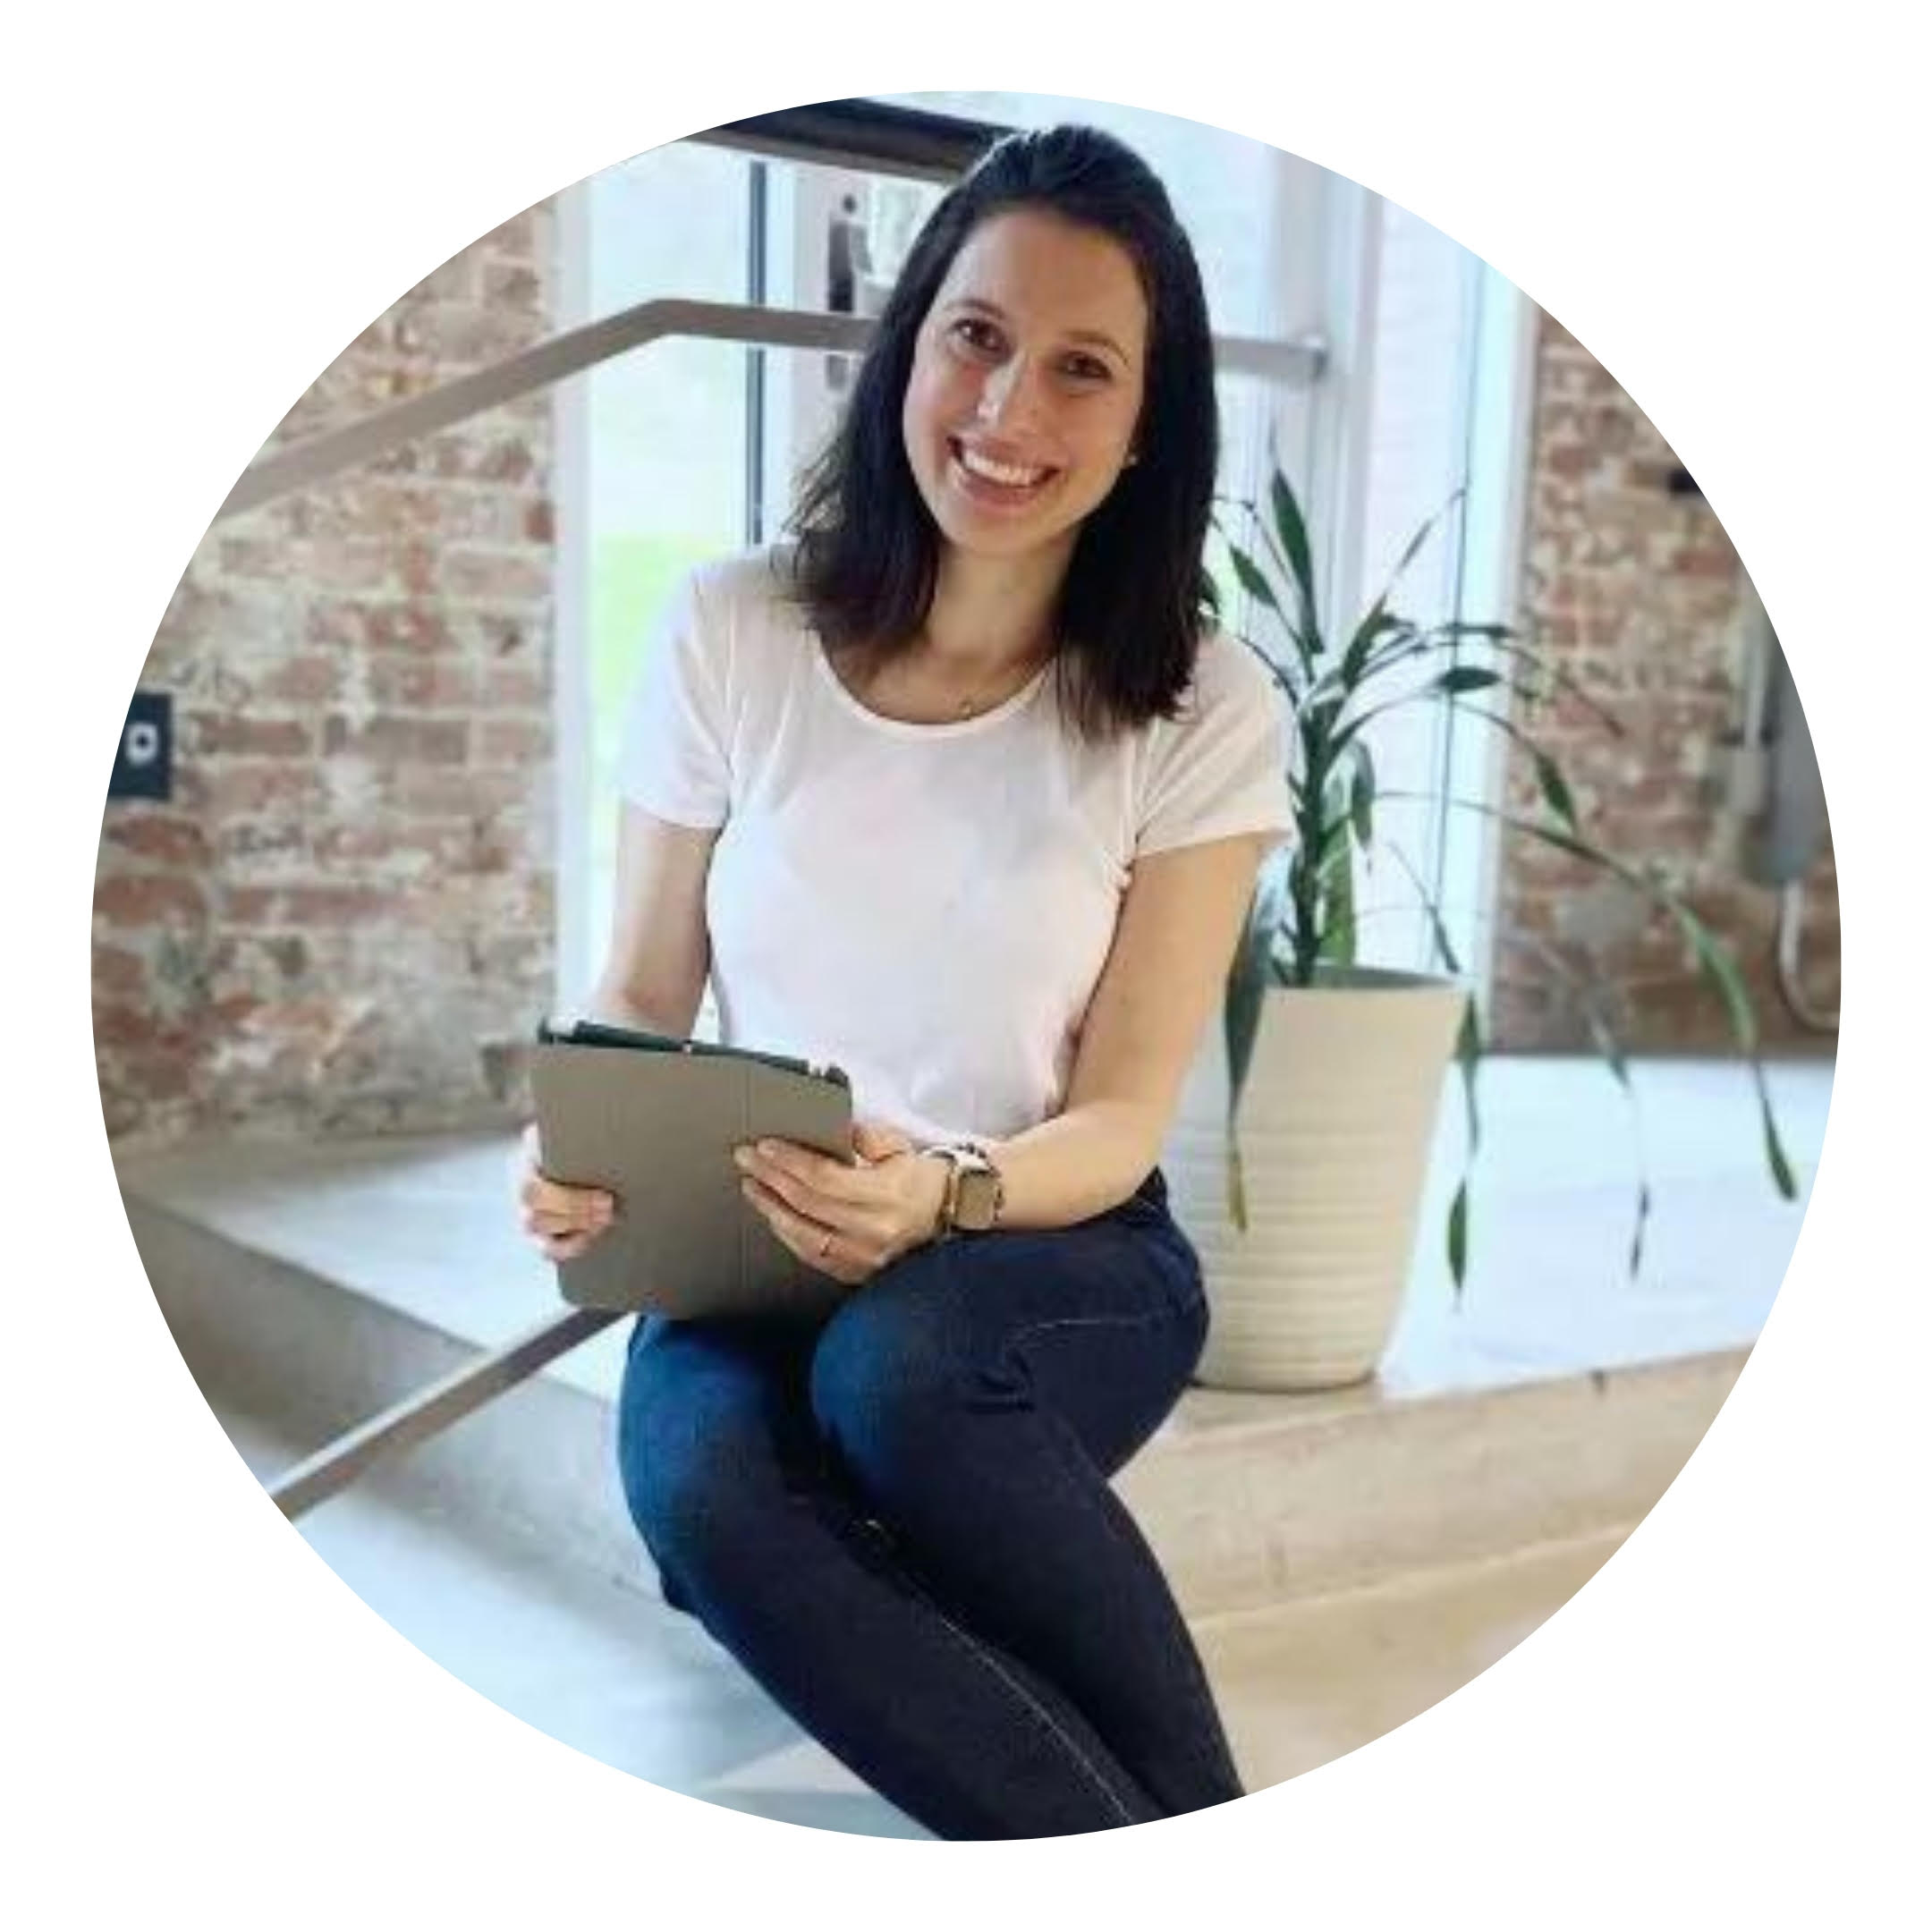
{"x":654,"y":1120}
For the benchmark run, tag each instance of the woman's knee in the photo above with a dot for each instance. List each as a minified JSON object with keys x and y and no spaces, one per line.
{"x":893,"y":1370}
{"x":697,"y":1475}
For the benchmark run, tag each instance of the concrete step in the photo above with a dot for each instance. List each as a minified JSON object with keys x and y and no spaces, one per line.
{"x":615,"y":1673}
{"x":286,"y":1313}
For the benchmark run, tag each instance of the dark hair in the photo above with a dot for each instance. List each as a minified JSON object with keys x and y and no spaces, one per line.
{"x":1136,"y":598}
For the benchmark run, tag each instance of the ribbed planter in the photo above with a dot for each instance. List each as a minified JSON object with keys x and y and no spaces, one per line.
{"x":1337,"y":1121}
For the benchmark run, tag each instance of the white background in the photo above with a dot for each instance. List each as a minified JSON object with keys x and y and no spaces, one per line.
{"x":205,"y":204}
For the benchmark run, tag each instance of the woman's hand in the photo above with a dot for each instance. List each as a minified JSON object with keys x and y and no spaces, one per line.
{"x":564,"y":1220}
{"x":847,"y":1221}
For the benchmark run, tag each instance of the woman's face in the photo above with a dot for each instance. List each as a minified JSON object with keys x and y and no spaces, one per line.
{"x":1027,"y":383}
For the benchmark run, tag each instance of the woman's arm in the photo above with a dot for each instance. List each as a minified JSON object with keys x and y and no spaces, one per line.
{"x":660,"y":948}
{"x":1180,"y":920}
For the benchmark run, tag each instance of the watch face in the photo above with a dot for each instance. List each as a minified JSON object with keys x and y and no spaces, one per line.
{"x":978,"y":1198}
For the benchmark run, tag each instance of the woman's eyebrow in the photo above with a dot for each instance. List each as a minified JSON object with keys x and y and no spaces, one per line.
{"x":982,"y":307}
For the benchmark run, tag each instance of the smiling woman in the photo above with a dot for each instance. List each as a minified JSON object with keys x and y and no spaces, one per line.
{"x":962,"y":789}
{"x":1026,"y":386}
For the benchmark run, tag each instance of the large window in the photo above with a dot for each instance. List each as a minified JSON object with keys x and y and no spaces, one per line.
{"x":682,"y":450}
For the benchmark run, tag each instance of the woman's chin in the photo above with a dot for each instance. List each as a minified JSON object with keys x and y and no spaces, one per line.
{"x":966,"y":527}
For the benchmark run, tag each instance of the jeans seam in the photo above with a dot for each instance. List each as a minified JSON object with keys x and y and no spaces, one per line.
{"x":1043,"y":1718}
{"x":1073,"y":1462}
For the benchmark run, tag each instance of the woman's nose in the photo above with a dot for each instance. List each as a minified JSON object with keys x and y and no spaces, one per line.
{"x":1009,"y":392}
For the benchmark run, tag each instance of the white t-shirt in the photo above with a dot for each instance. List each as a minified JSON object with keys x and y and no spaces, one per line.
{"x":927,"y":906}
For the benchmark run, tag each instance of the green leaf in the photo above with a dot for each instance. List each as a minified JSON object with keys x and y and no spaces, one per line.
{"x":1248,"y":984}
{"x":1716,"y":958}
{"x":1420,"y":538}
{"x":1362,"y":795}
{"x":1415,"y":544}
{"x":1550,"y":781}
{"x":1377,"y":624}
{"x":1637,"y":1233}
{"x":1248,"y":979}
{"x":1494,"y":633}
{"x":1338,"y":917}
{"x":1459,"y":1237}
{"x":1444,"y":947}
{"x":1237,"y":1180}
{"x":1554,"y":788}
{"x":1469,"y":1057}
{"x":1461,"y":678}
{"x":1560,"y":679}
{"x":1711,"y":955}
{"x":1252,"y":579}
{"x":1294,"y":542}
{"x":1277,"y":671}
{"x":1781,"y":1167}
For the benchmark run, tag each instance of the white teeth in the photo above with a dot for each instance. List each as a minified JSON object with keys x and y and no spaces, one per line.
{"x":994,"y":472}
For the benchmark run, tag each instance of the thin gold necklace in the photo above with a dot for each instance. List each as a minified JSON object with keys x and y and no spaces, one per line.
{"x":972,"y":705}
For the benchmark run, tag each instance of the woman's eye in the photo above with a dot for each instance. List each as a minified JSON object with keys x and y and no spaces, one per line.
{"x":1088,"y":369}
{"x":975,"y":334}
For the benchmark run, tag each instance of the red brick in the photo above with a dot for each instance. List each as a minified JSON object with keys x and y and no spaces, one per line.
{"x":523,"y":742}
{"x":312,"y":677}
{"x":500,"y":634}
{"x":265,"y":557}
{"x":513,"y":686}
{"x":118,"y":974}
{"x":129,"y":1027}
{"x":166,"y":837}
{"x":379,"y":625}
{"x":138,"y":899}
{"x":455,"y":281}
{"x":467,"y":337}
{"x":252,"y":840}
{"x":218,"y":790}
{"x":390,"y":839}
{"x":222,"y":734}
{"x":357,"y":563}
{"x":422,"y":683}
{"x":283,"y":906}
{"x":496,"y":576}
{"x":397,"y":737}
{"x":512,"y":286}
{"x":447,"y":792}
{"x":514,"y":241}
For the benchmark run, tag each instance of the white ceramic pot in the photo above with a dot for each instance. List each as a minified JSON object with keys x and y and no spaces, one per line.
{"x":1337,"y":1121}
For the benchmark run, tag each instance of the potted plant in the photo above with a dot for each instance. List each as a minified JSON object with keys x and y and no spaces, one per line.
{"x":1301,"y":1146}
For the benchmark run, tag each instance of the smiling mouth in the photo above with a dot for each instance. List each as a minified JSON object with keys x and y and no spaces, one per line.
{"x":998,"y":481}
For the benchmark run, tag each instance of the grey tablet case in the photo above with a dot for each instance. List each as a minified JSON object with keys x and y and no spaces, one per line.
{"x":655,"y":1120}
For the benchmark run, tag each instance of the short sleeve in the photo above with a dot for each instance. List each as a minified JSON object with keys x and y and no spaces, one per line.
{"x":1221,"y":768}
{"x":673,"y":758}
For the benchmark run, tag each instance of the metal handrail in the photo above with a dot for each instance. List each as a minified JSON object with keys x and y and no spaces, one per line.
{"x":430,"y":1411}
{"x":315,"y":459}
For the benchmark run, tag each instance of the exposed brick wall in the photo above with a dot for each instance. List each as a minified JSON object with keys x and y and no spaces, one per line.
{"x":1637,"y":592}
{"x":342,"y":920}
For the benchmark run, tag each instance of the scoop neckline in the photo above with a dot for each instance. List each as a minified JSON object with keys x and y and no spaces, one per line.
{"x":905,"y":727}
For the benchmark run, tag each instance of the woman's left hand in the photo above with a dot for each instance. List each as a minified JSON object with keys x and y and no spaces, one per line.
{"x":847,"y":1221}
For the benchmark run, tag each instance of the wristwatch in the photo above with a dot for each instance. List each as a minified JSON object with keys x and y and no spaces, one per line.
{"x":975,"y":1192}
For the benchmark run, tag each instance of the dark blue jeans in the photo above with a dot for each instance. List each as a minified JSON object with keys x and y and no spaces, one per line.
{"x":898,"y":1520}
